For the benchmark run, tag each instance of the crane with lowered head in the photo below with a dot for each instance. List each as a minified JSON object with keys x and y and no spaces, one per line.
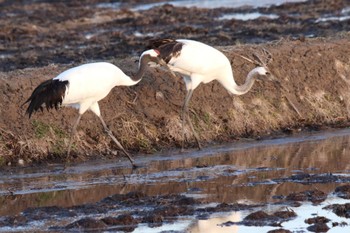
{"x":82,"y":87}
{"x":199,"y":63}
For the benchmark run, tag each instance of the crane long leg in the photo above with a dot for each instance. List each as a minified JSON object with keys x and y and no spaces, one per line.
{"x":184,"y":116}
{"x":109,"y":132}
{"x":194,"y":132}
{"x":74,"y":130}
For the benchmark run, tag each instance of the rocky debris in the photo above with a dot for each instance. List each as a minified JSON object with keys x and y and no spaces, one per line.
{"x":342,"y":210}
{"x":343,"y":191}
{"x":315,"y":196}
{"x":261,"y":218}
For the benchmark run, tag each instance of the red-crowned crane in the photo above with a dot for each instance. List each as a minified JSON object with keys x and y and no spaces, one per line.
{"x":199,"y":63}
{"x":82,"y":87}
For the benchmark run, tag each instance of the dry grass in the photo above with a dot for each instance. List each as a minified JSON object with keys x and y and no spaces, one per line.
{"x":312,"y":88}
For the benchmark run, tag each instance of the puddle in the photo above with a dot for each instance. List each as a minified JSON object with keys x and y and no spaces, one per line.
{"x":307,"y":210}
{"x":6,"y":55}
{"x":200,"y":4}
{"x":248,"y":173}
{"x":217,"y":4}
{"x":342,"y":16}
{"x":247,"y":16}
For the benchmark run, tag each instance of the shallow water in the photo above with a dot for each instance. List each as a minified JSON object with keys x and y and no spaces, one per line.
{"x":217,"y":4}
{"x":243,"y":172}
{"x":247,"y":16}
{"x":202,"y":4}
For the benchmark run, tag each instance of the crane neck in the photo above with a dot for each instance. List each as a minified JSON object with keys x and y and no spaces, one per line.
{"x":141,"y":70}
{"x":143,"y":66}
{"x":230,"y":84}
{"x":248,"y":84}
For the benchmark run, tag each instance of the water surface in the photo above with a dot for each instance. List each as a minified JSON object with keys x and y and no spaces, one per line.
{"x":217,"y":4}
{"x":243,"y":172}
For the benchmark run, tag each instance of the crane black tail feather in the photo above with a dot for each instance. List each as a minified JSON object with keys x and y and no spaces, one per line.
{"x":49,"y":93}
{"x":167,"y":48}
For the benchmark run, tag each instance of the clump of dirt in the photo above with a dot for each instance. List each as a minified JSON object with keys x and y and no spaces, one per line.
{"x":343,"y":191}
{"x":87,"y":224}
{"x":342,"y":210}
{"x":341,"y":224}
{"x":319,"y":219}
{"x":279,"y":231}
{"x":318,"y":224}
{"x":137,"y":208}
{"x":318,"y":227}
{"x":125,"y":222}
{"x":261,"y":218}
{"x":315,"y":196}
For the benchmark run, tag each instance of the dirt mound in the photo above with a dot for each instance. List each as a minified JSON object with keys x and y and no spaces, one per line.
{"x":313,"y":89}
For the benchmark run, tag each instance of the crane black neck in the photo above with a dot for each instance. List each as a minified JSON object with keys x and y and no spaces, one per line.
{"x":143,"y":65}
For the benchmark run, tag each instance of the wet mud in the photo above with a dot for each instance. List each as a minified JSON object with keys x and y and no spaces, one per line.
{"x":42,"y":39}
{"x":237,"y":188}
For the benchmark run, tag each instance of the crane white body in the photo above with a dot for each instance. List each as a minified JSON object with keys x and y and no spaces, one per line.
{"x":199,"y":63}
{"x":82,"y":87}
{"x":90,"y":83}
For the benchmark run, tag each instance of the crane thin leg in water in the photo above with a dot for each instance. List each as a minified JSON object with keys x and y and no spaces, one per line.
{"x":107,"y":131}
{"x":74,"y":130}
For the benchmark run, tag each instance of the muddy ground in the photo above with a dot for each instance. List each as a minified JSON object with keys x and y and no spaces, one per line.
{"x":40,"y":39}
{"x":295,"y":184}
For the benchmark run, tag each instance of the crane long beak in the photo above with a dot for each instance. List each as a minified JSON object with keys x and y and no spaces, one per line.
{"x":270,"y":76}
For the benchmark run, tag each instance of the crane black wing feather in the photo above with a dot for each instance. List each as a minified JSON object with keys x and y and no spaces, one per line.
{"x":167,"y":48}
{"x":49,"y":93}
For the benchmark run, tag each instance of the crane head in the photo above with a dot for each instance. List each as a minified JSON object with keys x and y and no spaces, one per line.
{"x":153,"y":59}
{"x":150,"y":57}
{"x":263,"y":71}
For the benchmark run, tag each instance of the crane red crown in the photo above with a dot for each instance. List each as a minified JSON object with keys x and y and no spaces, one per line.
{"x":157,"y":51}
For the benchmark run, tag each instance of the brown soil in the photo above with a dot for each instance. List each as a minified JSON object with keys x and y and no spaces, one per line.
{"x":261,"y":218}
{"x":41,"y":39}
{"x":318,"y":227}
{"x":315,"y":196}
{"x":279,"y":231}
